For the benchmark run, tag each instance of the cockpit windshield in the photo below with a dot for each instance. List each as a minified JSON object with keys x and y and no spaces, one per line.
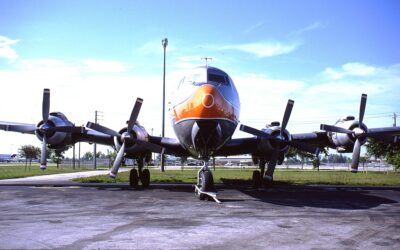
{"x":218,"y":79}
{"x":194,"y":78}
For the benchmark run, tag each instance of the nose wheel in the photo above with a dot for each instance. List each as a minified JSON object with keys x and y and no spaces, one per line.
{"x":205,"y":184}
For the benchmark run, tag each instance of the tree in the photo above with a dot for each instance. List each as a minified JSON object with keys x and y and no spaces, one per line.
{"x":293,"y":153}
{"x":389,"y":151}
{"x":29,"y":152}
{"x":57,"y":157}
{"x":111,"y":155}
{"x":363,"y":160}
{"x":88,"y":156}
{"x":100,"y":155}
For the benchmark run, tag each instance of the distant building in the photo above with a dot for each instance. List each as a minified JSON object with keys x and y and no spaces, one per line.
{"x":7,"y":157}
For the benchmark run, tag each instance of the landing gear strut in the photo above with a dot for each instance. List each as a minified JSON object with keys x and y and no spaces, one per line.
{"x":205,"y":184}
{"x":141,"y":174}
{"x":258,"y":174}
{"x":260,"y":178}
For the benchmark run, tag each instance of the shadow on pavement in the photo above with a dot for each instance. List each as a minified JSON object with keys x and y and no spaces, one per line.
{"x":319,"y":197}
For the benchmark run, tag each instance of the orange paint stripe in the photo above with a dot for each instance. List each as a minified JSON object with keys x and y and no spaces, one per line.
{"x":205,"y":103}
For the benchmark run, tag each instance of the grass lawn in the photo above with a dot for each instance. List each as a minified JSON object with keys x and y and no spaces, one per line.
{"x":237,"y":176}
{"x":17,"y":171}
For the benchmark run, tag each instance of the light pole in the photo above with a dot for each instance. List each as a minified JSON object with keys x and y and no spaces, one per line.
{"x":164,"y":43}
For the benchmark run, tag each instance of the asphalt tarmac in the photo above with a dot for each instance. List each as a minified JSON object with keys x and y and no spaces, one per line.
{"x":169,"y":216}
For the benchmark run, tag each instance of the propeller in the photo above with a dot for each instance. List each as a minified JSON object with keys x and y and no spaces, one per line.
{"x":280,"y":139}
{"x":126,"y":137}
{"x":357,"y":133}
{"x":357,"y":144}
{"x":45,"y":128}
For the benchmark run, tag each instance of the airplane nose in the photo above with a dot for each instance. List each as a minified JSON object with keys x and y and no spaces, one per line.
{"x":205,"y":103}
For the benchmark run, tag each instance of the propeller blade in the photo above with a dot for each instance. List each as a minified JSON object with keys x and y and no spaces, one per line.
{"x":305,"y":147}
{"x":286,"y":116}
{"x":134,"y":114}
{"x":43,"y":160}
{"x":117,"y":161}
{"x":331,"y":128}
{"x":68,"y":129}
{"x":363,"y":103}
{"x":273,"y":161}
{"x":150,"y":146}
{"x":102,"y":129}
{"x":22,"y":128}
{"x":46,"y":105}
{"x":254,"y":131}
{"x":356,"y":156}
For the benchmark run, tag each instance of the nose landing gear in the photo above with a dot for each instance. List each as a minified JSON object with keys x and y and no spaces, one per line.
{"x":205,"y":184}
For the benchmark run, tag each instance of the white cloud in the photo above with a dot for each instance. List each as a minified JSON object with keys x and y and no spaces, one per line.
{"x":264,"y":49}
{"x":98,"y":65}
{"x":358,"y":69}
{"x":6,"y":51}
{"x":351,"y":69}
{"x":253,"y":27}
{"x":310,"y":27}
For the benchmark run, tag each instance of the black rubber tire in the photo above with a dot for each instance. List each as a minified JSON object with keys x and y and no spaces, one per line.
{"x":206,"y":184}
{"x":145,"y":178}
{"x":268,"y":183}
{"x":256,"y":179}
{"x":207,"y":181}
{"x":133,"y":178}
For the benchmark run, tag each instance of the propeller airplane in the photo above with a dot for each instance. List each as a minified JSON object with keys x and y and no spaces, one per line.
{"x":205,"y":114}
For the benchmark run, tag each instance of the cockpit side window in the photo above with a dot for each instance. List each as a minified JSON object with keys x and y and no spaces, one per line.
{"x":217,"y":79}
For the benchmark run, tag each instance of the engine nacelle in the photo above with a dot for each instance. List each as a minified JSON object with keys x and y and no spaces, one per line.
{"x":138,"y":132}
{"x":266,"y":146}
{"x":344,"y":143}
{"x":56,"y":140}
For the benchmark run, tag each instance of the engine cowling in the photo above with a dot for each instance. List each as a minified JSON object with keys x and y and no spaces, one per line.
{"x":138,"y":132}
{"x":56,"y":140}
{"x":266,"y":146}
{"x":343,"y":142}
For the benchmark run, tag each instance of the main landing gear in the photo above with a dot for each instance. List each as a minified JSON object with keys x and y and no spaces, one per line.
{"x":205,"y":184}
{"x":263,"y":179}
{"x":139,"y":174}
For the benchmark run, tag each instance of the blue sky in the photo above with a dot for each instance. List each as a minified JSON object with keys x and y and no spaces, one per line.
{"x":103,"y":54}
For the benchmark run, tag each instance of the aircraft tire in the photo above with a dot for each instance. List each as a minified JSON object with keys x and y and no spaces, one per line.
{"x":206,"y":182}
{"x":268,"y":181}
{"x":256,"y":179}
{"x":145,"y":178}
{"x":133,"y":178}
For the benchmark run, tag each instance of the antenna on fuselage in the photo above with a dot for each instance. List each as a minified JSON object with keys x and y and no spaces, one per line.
{"x":206,"y":58}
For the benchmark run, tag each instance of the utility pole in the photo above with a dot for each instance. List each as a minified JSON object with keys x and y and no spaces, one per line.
{"x":97,"y":117}
{"x":152,"y":130}
{"x":394,"y":119}
{"x":73,"y":156}
{"x":79,"y":154}
{"x":206,"y":59}
{"x":164,"y":43}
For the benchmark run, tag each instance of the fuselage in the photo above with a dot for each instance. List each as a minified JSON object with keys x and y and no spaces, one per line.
{"x":206,"y":111}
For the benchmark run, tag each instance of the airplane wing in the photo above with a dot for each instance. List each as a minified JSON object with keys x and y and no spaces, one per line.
{"x":24,"y":128}
{"x":171,"y":146}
